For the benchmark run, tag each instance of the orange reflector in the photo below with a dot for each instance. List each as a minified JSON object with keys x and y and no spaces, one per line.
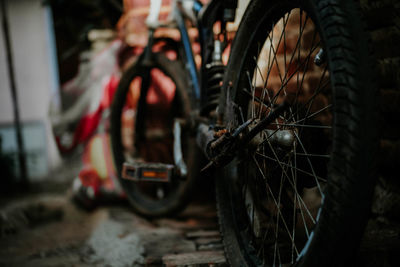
{"x":151,"y":174}
{"x":147,"y":171}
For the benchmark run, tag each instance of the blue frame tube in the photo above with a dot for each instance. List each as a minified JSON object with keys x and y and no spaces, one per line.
{"x":189,"y":55}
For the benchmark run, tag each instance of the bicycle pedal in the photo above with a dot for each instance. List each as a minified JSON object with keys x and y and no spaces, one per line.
{"x":147,"y":172}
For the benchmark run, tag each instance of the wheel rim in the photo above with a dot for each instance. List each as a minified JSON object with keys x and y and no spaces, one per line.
{"x":281,"y":179}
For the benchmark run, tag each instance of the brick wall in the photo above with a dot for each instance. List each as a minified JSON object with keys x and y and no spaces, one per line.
{"x":294,"y":64}
{"x":383,"y":22}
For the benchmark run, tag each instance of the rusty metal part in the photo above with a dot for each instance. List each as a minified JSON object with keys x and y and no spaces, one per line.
{"x":219,"y":133}
{"x":221,"y":151}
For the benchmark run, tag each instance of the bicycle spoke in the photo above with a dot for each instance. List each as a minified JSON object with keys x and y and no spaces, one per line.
{"x":253,"y":91}
{"x":282,"y":207}
{"x":292,"y":167}
{"x":274,"y":56}
{"x":275,"y":201}
{"x":256,"y":98}
{"x":313,"y":155}
{"x":309,"y":162}
{"x":298,"y":59}
{"x":294,"y":207}
{"x":302,"y":125}
{"x":261,"y":101}
{"x":294,"y":187}
{"x":314,"y":114}
{"x":274,"y":52}
{"x":277,"y":220}
{"x":291,"y":60}
{"x":310,"y":101}
{"x":316,"y":92}
{"x":300,"y":199}
{"x":290,"y":77}
{"x":283,"y":86}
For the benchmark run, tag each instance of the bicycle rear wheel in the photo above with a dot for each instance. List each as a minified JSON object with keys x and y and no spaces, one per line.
{"x":148,"y":101}
{"x":300,"y":193}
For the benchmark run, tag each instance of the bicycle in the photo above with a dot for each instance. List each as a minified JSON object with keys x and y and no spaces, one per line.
{"x":289,"y":135}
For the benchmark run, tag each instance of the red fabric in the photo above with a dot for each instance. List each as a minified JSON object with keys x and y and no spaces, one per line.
{"x":89,"y":123}
{"x":89,"y":175}
{"x":89,"y":178}
{"x":109,"y":92}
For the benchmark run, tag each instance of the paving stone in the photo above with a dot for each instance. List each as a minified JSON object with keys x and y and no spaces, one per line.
{"x":199,"y":211}
{"x":202,"y":233}
{"x":207,"y":240}
{"x":153,"y":261}
{"x":212,"y":246}
{"x":114,"y":245}
{"x":210,"y":258}
{"x":162,"y":241}
{"x":30,"y":212}
{"x":189,"y":224}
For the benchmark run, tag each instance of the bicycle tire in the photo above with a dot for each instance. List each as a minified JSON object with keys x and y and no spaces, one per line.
{"x":144,"y":197}
{"x":350,"y":171}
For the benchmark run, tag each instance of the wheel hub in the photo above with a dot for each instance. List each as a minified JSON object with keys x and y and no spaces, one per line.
{"x":285,"y":138}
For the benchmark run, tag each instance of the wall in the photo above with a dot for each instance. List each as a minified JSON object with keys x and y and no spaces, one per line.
{"x":383,"y":23}
{"x":33,"y":49}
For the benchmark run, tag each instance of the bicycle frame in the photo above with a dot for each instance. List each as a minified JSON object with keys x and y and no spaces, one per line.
{"x":206,"y":17}
{"x":220,"y":148}
{"x":187,"y":45}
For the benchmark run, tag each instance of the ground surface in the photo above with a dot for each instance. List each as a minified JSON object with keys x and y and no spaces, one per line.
{"x":45,"y":228}
{"x":56,"y":233}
